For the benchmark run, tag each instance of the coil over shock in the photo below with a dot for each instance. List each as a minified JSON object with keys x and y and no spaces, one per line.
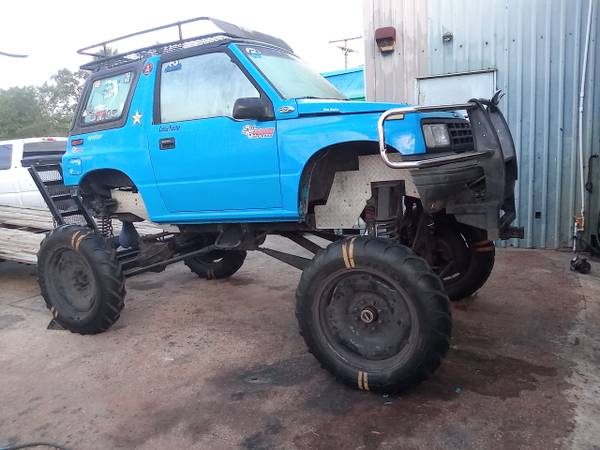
{"x":381,"y":211}
{"x":105,"y":227}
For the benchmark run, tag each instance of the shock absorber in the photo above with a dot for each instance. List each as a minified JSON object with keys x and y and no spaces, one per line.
{"x":105,"y":227}
{"x":387,"y":200}
{"x":370,"y":217}
{"x":388,"y":229}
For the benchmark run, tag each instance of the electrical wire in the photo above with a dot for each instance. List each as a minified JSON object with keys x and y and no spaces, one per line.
{"x":12,"y":55}
{"x":33,"y":444}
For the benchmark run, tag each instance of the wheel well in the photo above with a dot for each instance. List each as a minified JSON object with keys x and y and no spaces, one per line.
{"x":318,"y":173}
{"x":103,"y":180}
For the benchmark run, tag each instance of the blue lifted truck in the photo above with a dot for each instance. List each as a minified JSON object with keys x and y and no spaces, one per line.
{"x":227,"y":137}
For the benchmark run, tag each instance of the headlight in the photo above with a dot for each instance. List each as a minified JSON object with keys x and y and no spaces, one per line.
{"x":436,"y":135}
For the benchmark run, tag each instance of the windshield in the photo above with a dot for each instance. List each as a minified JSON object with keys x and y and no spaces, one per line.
{"x":291,"y":76}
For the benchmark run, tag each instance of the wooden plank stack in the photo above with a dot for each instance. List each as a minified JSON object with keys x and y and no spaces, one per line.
{"x":22,"y":230}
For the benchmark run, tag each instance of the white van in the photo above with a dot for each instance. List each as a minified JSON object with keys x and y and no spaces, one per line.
{"x":16,"y":186}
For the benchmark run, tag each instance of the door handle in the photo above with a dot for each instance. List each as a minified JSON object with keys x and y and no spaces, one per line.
{"x":166,"y":143}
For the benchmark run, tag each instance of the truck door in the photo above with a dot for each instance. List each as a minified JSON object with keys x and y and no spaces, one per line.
{"x":203,"y":159}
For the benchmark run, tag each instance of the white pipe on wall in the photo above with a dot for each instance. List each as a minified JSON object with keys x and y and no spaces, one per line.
{"x":581,"y":109}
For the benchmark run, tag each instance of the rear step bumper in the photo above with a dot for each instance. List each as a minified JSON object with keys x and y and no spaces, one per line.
{"x":64,"y":207}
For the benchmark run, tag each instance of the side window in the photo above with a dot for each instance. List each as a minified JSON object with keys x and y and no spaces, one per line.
{"x":201,"y":86}
{"x":107,"y":99}
{"x":5,"y":156}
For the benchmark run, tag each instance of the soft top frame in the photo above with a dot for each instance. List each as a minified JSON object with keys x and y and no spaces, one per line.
{"x":228,"y":32}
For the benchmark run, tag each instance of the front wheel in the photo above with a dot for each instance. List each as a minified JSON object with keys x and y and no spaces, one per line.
{"x":374,"y":314}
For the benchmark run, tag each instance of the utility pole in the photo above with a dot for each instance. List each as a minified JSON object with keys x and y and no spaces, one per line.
{"x":345,"y":49}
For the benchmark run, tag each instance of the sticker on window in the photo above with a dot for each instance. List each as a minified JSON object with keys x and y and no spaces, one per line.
{"x":107,"y":99}
{"x":253,"y":52}
{"x":172,"y":66}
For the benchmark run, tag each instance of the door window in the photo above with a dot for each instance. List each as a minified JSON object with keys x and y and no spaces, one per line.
{"x":5,"y":156}
{"x":202,"y":86}
{"x":107,"y":99}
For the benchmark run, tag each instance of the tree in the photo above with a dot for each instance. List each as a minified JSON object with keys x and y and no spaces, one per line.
{"x":59,"y":96}
{"x":21,"y":114}
{"x":41,"y":111}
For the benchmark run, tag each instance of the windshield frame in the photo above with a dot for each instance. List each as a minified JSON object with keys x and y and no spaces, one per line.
{"x":242,"y":46}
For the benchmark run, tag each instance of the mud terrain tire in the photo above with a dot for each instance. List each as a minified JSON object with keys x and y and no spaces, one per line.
{"x":80,"y":279}
{"x":374,"y":314}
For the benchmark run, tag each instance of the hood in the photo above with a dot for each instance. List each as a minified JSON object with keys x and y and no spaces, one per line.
{"x":326,"y":106}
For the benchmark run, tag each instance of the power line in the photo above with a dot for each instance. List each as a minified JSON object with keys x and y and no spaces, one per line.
{"x":12,"y":55}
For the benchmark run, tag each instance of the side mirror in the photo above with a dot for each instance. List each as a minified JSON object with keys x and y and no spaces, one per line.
{"x":252,"y":108}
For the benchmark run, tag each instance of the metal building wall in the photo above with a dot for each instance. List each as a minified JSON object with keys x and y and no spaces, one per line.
{"x":536,"y":46}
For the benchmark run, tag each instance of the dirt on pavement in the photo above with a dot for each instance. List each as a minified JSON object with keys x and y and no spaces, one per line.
{"x":220,"y":364}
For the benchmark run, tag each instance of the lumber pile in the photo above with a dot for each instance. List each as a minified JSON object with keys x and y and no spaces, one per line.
{"x":20,"y":246}
{"x":22,"y":230}
{"x":32,"y":218}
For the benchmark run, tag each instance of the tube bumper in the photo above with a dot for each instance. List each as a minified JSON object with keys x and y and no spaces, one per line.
{"x":476,"y":186}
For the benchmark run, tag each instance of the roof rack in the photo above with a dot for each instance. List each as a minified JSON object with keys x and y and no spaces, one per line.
{"x":225,"y":32}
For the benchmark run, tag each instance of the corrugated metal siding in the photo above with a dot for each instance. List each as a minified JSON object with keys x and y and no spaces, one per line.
{"x":537,"y":48}
{"x":392,"y":77}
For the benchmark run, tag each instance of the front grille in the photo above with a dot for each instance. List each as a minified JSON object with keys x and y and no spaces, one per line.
{"x":461,"y":135}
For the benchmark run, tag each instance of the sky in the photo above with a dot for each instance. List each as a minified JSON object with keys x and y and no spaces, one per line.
{"x":50,"y":32}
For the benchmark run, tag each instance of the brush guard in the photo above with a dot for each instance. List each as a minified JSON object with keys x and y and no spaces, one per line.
{"x":494,"y":152}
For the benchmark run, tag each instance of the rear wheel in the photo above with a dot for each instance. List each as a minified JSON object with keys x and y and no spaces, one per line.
{"x":80,"y":279}
{"x":373,"y":314}
{"x":217,"y":264}
{"x":462,"y":256}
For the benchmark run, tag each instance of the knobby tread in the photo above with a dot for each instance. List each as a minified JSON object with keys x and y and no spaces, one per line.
{"x":480,"y":267}
{"x":107,"y":272}
{"x":407,"y":269}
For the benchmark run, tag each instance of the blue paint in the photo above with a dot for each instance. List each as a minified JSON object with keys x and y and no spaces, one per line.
{"x":226,"y":170}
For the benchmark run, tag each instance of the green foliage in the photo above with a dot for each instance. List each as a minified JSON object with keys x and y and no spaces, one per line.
{"x":40,"y":111}
{"x":21,"y":114}
{"x":108,"y":51}
{"x":59,"y":97}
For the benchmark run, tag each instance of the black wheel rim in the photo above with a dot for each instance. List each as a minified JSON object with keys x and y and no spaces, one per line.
{"x":71,"y":283}
{"x":367,"y":317}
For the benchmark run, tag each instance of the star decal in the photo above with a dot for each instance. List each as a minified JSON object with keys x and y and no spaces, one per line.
{"x":137,"y":118}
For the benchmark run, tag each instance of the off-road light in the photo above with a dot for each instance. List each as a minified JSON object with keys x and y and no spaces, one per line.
{"x":436,"y":135}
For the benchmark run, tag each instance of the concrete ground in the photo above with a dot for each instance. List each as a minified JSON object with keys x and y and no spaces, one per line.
{"x":220,"y":365}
